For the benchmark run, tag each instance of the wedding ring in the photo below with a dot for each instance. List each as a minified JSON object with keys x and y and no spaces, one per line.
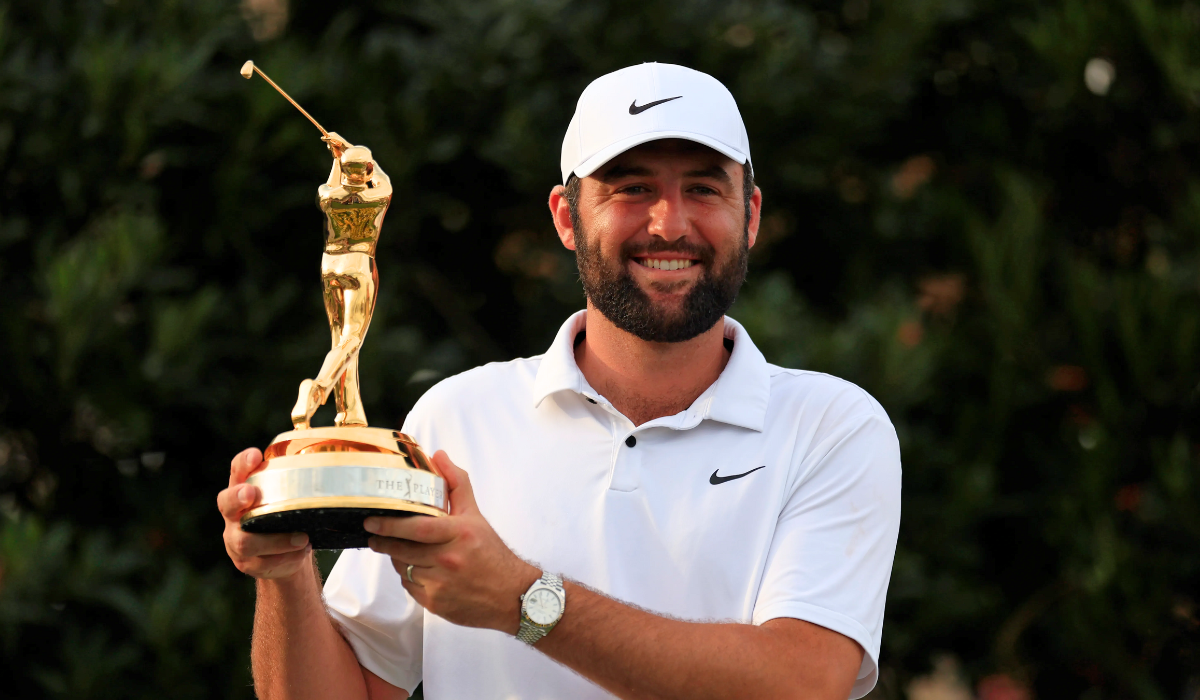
{"x":408,"y":574}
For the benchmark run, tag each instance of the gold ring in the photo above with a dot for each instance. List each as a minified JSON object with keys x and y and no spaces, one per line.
{"x":408,"y":574}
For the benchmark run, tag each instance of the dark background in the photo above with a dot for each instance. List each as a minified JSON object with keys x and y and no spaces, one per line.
{"x":1001,"y":251}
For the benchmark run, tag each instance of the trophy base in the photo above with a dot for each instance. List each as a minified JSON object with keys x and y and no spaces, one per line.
{"x":327,"y":528}
{"x":325,"y":481}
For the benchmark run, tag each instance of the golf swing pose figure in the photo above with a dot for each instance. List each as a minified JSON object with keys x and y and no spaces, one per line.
{"x":647,"y":510}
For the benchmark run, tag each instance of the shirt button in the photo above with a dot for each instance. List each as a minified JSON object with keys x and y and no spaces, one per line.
{"x":630,"y":441}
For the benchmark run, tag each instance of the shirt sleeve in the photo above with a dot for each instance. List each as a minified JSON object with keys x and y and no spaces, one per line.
{"x":831,"y":557}
{"x":382,"y":623}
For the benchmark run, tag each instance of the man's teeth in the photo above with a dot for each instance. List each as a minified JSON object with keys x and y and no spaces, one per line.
{"x":658,"y":264}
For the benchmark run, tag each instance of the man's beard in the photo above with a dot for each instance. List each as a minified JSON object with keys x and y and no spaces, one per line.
{"x":616,"y":295}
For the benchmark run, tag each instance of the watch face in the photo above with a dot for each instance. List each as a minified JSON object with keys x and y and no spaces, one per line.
{"x":542,"y":606}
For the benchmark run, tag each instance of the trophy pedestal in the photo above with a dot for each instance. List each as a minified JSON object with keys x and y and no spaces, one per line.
{"x":325,"y":481}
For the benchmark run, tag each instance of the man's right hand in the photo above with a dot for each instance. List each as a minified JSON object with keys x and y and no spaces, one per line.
{"x":260,"y":556}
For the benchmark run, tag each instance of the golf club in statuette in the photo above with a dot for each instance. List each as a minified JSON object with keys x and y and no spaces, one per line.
{"x":325,"y":481}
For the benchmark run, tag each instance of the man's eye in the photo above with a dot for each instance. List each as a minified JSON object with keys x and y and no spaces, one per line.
{"x":634,"y":189}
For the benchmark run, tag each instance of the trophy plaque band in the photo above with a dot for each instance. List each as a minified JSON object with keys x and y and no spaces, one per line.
{"x":326,"y":481}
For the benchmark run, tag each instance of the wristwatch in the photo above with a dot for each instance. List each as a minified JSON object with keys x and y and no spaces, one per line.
{"x":541,"y":607}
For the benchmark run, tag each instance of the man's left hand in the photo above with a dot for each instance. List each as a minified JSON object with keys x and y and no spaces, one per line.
{"x":462,"y":570}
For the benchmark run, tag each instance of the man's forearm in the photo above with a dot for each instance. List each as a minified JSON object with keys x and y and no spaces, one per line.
{"x":296,"y":652}
{"x":636,"y":654}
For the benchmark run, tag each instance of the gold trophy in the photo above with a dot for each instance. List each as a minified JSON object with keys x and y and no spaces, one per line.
{"x":325,"y":481}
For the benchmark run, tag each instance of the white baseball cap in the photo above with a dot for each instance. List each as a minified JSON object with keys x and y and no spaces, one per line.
{"x":648,"y":102}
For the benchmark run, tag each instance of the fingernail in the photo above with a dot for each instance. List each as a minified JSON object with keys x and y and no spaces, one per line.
{"x":244,"y":494}
{"x":371,"y":524}
{"x":298,"y":539}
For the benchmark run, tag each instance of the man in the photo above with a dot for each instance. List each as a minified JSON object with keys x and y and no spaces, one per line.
{"x":354,"y":201}
{"x":724,"y":528}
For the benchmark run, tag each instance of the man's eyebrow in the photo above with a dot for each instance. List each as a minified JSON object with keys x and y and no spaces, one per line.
{"x":714,"y":172}
{"x":618,"y":172}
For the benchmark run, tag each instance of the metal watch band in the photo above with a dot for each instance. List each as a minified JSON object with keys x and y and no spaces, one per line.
{"x":530,"y":632}
{"x":553,"y":580}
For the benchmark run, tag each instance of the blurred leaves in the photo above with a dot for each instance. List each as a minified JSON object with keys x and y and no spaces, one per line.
{"x":87,"y":279}
{"x":126,"y":622}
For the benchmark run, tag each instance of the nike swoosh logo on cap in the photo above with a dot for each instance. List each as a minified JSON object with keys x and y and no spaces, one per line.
{"x":714,"y":479}
{"x":634,"y":109}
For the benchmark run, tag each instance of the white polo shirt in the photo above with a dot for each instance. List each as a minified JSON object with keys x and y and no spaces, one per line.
{"x":776,"y":494}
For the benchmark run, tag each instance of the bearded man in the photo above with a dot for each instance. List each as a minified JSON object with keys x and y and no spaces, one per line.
{"x":653,"y":510}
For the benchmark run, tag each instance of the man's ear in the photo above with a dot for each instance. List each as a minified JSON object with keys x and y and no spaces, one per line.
{"x":560,"y":211}
{"x":755,"y":216}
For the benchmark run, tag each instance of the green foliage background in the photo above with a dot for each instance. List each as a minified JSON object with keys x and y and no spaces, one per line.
{"x":1006,"y":260}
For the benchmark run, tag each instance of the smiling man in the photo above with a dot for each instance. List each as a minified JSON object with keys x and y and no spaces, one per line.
{"x":653,"y":510}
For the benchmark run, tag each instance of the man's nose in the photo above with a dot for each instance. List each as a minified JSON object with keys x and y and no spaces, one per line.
{"x":668,"y":220}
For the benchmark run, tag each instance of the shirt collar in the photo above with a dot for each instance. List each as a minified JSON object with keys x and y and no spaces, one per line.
{"x":558,"y":371}
{"x":738,"y":397}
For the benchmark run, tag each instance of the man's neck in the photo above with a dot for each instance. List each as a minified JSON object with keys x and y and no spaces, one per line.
{"x":646,"y":380}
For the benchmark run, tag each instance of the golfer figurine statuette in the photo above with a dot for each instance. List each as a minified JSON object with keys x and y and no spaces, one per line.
{"x":326,"y":481}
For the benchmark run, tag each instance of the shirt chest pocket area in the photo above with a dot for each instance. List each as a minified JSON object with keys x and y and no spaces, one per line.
{"x":716,"y":516}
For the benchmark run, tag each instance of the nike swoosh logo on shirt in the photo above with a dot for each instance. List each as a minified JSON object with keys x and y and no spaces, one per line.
{"x":634,"y":109}
{"x":714,"y":479}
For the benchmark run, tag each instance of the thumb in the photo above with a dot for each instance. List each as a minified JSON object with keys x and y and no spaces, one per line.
{"x":462,"y":497}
